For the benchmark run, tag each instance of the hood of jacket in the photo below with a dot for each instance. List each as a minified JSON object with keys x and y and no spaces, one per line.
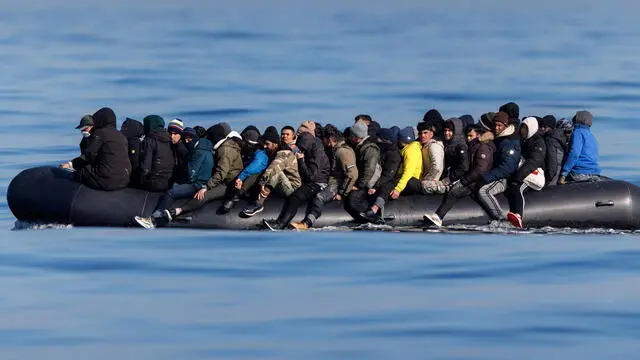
{"x":583,"y":117}
{"x":305,"y":142}
{"x":151,"y":123}
{"x":512,"y":109}
{"x":232,"y":135}
{"x":458,"y":131}
{"x":532,"y":126}
{"x":204,"y":144}
{"x":132,"y":128}
{"x":103,"y":118}
{"x":510,"y":130}
{"x":160,"y":135}
{"x":487,"y":136}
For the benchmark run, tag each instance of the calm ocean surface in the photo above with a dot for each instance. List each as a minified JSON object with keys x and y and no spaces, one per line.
{"x":94,"y":293}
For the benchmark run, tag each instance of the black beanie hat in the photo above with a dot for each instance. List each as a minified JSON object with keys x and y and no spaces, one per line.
{"x":548,"y":121}
{"x":271,"y":134}
{"x":432,"y":115}
{"x":202,"y":132}
{"x":216,"y":133}
{"x":190,"y":133}
{"x":250,"y":134}
{"x":512,"y":109}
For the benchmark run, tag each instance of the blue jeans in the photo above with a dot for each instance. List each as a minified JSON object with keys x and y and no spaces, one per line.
{"x":583,"y":177}
{"x":178,"y":191}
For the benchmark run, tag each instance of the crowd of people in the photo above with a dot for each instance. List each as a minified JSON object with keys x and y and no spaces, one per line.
{"x":364,"y":166}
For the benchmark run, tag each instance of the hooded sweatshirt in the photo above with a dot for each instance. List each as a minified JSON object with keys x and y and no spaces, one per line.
{"x":343,"y":168}
{"x":506,"y":157}
{"x":105,"y":164}
{"x":368,"y":161}
{"x":583,"y":148}
{"x":314,"y":167}
{"x":227,"y":153}
{"x":456,"y":159}
{"x":432,"y":160}
{"x":157,"y":157}
{"x":533,"y":151}
{"x":200,"y":163}
{"x":133,"y":130}
{"x":556,"y":142}
{"x":411,"y":164}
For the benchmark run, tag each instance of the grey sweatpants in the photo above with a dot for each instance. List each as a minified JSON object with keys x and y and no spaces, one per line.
{"x":487,"y":198}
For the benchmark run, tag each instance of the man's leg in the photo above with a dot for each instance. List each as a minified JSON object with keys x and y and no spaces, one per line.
{"x":486,"y":198}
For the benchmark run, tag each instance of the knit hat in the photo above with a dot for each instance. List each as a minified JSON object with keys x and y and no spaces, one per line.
{"x":511,"y":109}
{"x":406,"y":135}
{"x":216,"y":133}
{"x":501,"y":117}
{"x":271,"y":134}
{"x":308,"y":126}
{"x":486,"y":121}
{"x":152,"y":122}
{"x":432,"y":115}
{"x":176,"y":126}
{"x":359,"y":130}
{"x":251,"y":135}
{"x":583,"y":117}
{"x":564,"y":124}
{"x":200,"y":131}
{"x":85,"y":121}
{"x":189,"y":133}
{"x":548,"y":121}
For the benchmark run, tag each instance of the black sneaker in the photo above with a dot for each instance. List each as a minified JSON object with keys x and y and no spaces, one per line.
{"x":372,"y":217}
{"x":272,"y":224}
{"x":252,"y":210}
{"x":229,"y":204}
{"x":169,"y":214}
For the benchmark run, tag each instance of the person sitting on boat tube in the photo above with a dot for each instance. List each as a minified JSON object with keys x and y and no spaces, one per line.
{"x":480,"y":157}
{"x":582,"y":160}
{"x":505,"y":164}
{"x":105,"y":164}
{"x":530,"y":174}
{"x":455,"y":150}
{"x":85,"y":127}
{"x":314,"y":167}
{"x":342,"y":178}
{"x":180,"y":152}
{"x":408,"y":182}
{"x":372,"y":126}
{"x":282,"y":175}
{"x":156,"y":158}
{"x":430,"y":138}
{"x":513,"y":112}
{"x":556,"y":142}
{"x":199,"y":166}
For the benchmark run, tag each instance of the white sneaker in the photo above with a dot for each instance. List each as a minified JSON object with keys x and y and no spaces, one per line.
{"x":434,"y":219}
{"x":145,"y":222}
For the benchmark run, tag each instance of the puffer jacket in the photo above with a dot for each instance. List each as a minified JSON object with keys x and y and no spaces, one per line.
{"x":343,"y":168}
{"x":411,"y":164}
{"x":368,"y":163}
{"x":480,"y":157}
{"x":582,"y":157}
{"x":456,"y":159}
{"x":105,"y":164}
{"x":285,"y":161}
{"x":200,"y":163}
{"x":227,"y":160}
{"x":506,"y":157}
{"x":156,"y":161}
{"x":556,"y":142}
{"x":533,"y":151}
{"x":432,"y":160}
{"x":314,"y":167}
{"x":390,"y":161}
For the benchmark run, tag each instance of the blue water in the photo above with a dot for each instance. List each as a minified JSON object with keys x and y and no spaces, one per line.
{"x":78,"y":293}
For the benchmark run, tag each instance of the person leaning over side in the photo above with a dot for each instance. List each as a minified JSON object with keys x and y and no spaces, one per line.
{"x":85,"y":127}
{"x":480,"y":157}
{"x":342,"y":178}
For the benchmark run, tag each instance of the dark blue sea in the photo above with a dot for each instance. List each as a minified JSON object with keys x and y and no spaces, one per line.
{"x":98,"y":293}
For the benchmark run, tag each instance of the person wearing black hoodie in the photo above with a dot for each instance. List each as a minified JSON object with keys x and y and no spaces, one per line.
{"x":533,"y":153}
{"x":105,"y":164}
{"x":133,"y":130}
{"x":556,"y":142}
{"x":456,"y":161}
{"x":85,"y":127}
{"x":513,"y":111}
{"x":314,"y":167}
{"x":156,"y":161}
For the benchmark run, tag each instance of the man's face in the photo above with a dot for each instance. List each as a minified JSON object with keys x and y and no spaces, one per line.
{"x":175,"y":138}
{"x":499,"y":128}
{"x":270,"y":147}
{"x":472,"y":134}
{"x":425,"y":136}
{"x":524,"y":131}
{"x":448,"y":134}
{"x":287,"y":136}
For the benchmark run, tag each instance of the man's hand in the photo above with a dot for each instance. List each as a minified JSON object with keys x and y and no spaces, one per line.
{"x":338,"y":197}
{"x":200,"y":194}
{"x":299,"y":155}
{"x":562,"y":180}
{"x":238,"y":184}
{"x":395,"y":194}
{"x":371,"y":191}
{"x":65,"y":166}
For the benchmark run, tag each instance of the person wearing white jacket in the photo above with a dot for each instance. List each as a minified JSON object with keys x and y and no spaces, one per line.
{"x":430,"y":137}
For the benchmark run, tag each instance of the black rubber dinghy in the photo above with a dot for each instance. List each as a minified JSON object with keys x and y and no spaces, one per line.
{"x":48,"y":194}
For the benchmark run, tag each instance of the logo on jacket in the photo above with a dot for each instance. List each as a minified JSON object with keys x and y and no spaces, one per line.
{"x":511,"y":152}
{"x":483,"y":156}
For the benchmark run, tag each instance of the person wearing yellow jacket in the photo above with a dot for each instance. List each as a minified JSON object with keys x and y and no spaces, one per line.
{"x":411,"y":168}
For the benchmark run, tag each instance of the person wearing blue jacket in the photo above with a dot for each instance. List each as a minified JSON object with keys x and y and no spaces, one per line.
{"x":505,"y":164}
{"x":581,"y":163}
{"x":199,"y":167}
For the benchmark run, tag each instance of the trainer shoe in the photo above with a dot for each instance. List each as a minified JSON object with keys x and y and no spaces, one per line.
{"x":229,"y":204}
{"x":272,"y":224}
{"x":299,"y":225}
{"x":515,"y":219}
{"x":252,"y":210}
{"x":169,"y":214}
{"x":145,"y":222}
{"x":372,"y":217}
{"x":433,"y":219}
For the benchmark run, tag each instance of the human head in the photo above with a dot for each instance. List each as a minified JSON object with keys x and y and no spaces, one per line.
{"x":583,"y":117}
{"x":250,"y":135}
{"x":307,"y":126}
{"x":449,"y":130}
{"x":216,"y":134}
{"x":432,"y":115}
{"x":500,"y":122}
{"x":387,"y":136}
{"x":472,"y":132}
{"x":566,"y":126}
{"x":547,"y":123}
{"x":190,"y":138}
{"x":104,"y":118}
{"x":151,"y":123}
{"x":366,"y":119}
{"x":529,"y":127}
{"x":201,"y":131}
{"x":175,"y":128}
{"x":426,"y":132}
{"x":271,"y":140}
{"x":405,"y":136}
{"x":331,"y":135}
{"x":512,"y":110}
{"x":288,"y":135}
{"x":358,"y":132}
{"x":486,"y":121}
{"x":86,"y":125}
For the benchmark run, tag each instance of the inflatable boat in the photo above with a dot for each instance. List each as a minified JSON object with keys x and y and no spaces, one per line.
{"x":49,"y":194}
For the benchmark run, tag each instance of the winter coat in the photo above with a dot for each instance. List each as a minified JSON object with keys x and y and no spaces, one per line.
{"x":411,"y":164}
{"x":200,"y":163}
{"x":479,"y":157}
{"x":533,"y":151}
{"x":368,"y":163}
{"x":180,"y":161}
{"x":343,"y":168}
{"x":456,"y":159}
{"x":314,"y":167}
{"x":432,"y":160}
{"x":390,"y":161}
{"x":228,"y":161}
{"x":156,"y":161}
{"x":285,"y":162}
{"x":105,"y":164}
{"x":257,"y":165}
{"x":133,"y":130}
{"x":506,"y":157}
{"x":555,"y":141}
{"x":583,"y":152}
